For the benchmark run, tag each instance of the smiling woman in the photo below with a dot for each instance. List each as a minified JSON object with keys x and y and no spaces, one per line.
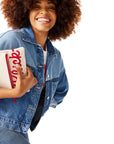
{"x":35,"y":23}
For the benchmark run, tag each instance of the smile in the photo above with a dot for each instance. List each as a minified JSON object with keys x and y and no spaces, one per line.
{"x":43,"y":19}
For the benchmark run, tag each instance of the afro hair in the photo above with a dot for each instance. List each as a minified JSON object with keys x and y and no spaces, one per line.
{"x":68,"y":14}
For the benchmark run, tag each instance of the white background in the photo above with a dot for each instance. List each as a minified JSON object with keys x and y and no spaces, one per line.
{"x":87,"y":114}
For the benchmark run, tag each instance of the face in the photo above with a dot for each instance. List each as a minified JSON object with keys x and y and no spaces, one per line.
{"x":42,"y":16}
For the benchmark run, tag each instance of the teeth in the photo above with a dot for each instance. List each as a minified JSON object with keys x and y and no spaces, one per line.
{"x":43,"y":20}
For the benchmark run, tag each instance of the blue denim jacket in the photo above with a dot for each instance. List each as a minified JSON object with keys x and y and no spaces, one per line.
{"x":18,"y":116}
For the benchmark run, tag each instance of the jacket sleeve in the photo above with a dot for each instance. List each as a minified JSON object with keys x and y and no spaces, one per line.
{"x":61,"y":91}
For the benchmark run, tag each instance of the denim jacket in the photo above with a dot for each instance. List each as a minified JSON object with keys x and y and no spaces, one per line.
{"x":18,"y":116}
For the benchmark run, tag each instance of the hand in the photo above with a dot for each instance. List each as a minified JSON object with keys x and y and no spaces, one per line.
{"x":24,"y":83}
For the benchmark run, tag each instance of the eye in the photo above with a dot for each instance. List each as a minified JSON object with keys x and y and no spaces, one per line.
{"x":37,"y":7}
{"x":52,"y":8}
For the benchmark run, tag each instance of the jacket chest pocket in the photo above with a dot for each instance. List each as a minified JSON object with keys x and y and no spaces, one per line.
{"x":52,"y":86}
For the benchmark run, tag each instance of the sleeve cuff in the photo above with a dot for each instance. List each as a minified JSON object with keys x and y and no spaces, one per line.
{"x":53,"y":103}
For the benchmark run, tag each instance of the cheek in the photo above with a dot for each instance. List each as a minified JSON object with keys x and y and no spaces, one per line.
{"x":31,"y":15}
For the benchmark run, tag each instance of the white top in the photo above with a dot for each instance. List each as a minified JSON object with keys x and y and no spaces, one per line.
{"x":45,"y":56}
{"x":45,"y":59}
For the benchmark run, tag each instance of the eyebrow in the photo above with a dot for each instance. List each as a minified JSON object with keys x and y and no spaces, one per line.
{"x":39,"y":2}
{"x":50,"y":2}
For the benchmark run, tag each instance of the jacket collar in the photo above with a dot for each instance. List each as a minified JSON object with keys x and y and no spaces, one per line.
{"x":28,"y":36}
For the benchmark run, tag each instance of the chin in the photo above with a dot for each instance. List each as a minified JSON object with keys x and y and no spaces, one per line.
{"x":43,"y":29}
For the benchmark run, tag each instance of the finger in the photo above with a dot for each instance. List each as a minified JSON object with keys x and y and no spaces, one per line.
{"x":18,"y":68}
{"x":35,"y":81}
{"x":29,"y":72}
{"x":30,"y":75}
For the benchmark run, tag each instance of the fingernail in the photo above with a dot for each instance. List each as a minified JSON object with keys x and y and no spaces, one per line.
{"x":17,"y":65}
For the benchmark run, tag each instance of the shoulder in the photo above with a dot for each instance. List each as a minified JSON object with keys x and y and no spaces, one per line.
{"x":9,"y":34}
{"x":52,"y":50}
{"x":59,"y":59}
{"x":57,"y":52}
{"x":9,"y":38}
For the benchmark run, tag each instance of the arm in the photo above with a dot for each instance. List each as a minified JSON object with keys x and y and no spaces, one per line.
{"x":7,"y":93}
{"x":61,"y":90}
{"x":23,"y":84}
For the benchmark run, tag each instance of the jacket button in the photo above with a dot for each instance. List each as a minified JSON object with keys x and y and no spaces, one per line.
{"x":48,"y":76}
{"x":38,"y":87}
{"x":48,"y":98}
{"x":40,"y":66}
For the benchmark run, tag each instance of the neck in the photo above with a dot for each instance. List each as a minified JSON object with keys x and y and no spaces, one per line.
{"x":41,"y":38}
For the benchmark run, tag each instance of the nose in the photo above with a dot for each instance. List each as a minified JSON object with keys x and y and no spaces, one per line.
{"x":43,"y":11}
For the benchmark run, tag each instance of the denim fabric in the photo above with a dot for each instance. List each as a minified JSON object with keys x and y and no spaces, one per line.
{"x":12,"y":137}
{"x":18,"y":116}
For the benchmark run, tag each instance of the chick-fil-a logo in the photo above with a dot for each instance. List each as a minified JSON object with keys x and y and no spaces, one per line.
{"x":15,"y":59}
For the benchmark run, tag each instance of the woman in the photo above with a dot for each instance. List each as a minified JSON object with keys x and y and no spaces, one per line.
{"x":35,"y":23}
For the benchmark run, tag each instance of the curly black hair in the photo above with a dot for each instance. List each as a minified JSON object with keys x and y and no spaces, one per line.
{"x":68,"y":13}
